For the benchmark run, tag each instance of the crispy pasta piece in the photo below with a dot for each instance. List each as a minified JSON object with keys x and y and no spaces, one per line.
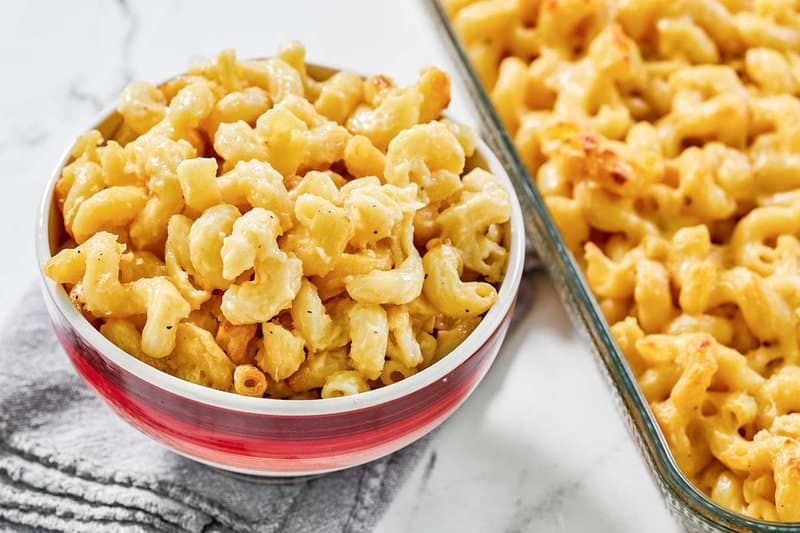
{"x":235,"y":340}
{"x":249,"y":381}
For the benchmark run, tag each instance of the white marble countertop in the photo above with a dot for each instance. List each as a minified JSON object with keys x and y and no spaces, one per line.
{"x":538,"y":447}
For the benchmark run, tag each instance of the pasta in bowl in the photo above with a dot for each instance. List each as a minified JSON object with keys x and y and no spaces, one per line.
{"x":262,"y":231}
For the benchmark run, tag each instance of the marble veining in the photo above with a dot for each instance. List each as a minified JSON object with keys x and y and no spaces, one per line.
{"x":128,"y":38}
{"x":539,"y":445}
{"x":78,"y":95}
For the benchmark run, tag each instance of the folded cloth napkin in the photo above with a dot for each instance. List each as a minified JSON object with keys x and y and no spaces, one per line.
{"x":67,"y":463}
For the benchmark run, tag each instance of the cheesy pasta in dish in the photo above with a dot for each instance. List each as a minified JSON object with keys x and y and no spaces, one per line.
{"x":252,"y":229}
{"x":665,"y":139}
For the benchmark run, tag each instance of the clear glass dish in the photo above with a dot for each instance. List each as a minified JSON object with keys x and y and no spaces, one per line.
{"x":694,"y":510}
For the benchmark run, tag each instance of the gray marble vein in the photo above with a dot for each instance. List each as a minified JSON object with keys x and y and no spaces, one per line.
{"x":131,"y":21}
{"x":76,"y":94}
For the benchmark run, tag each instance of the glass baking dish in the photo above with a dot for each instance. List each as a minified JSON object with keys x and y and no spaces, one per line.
{"x":694,"y":510}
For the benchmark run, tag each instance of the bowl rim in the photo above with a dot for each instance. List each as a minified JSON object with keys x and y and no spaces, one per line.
{"x":492,"y":320}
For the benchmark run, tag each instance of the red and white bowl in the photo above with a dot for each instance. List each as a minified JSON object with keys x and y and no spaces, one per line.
{"x":268,"y":437}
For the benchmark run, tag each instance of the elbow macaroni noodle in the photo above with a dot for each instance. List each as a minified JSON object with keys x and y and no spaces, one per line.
{"x":664,"y":139}
{"x":256,"y":231}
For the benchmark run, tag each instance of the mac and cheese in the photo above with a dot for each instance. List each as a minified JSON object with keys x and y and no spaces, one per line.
{"x":252,"y":229}
{"x":664,"y":138}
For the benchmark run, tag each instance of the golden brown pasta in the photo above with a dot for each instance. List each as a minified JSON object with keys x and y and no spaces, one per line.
{"x":663,"y":138}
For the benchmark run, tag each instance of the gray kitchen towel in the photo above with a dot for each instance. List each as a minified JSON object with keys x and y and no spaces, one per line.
{"x":67,"y":463}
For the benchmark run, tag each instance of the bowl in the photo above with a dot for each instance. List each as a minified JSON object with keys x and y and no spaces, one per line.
{"x":270,"y":437}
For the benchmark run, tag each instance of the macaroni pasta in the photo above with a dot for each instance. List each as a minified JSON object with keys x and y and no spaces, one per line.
{"x":663,"y":137}
{"x":254,"y":230}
